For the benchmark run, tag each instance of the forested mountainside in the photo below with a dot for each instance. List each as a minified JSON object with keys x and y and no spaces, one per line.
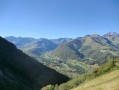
{"x":19,"y":71}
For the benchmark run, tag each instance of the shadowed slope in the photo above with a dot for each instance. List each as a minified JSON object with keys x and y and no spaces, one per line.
{"x":18,"y":67}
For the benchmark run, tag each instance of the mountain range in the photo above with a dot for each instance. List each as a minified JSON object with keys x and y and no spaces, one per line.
{"x":35,"y":47}
{"x":71,"y":56}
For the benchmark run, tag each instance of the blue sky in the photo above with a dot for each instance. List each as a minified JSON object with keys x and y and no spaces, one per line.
{"x":58,"y":18}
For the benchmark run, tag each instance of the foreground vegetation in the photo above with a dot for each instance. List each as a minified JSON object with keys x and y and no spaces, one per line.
{"x":108,"y":81}
{"x":111,"y":66}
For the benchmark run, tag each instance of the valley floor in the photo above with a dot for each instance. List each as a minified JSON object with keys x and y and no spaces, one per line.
{"x":108,"y":81}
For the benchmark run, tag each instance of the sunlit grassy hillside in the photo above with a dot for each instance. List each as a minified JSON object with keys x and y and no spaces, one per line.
{"x":108,"y":81}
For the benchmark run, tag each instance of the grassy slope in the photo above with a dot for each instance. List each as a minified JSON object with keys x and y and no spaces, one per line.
{"x":108,"y":81}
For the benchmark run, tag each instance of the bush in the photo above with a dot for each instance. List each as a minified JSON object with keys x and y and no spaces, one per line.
{"x":49,"y":87}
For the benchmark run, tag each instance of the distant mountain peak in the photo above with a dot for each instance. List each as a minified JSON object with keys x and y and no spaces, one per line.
{"x":113,"y":37}
{"x":95,"y":35}
{"x":112,"y":34}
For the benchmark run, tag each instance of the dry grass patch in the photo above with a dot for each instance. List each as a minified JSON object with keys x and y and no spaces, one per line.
{"x":109,"y":81}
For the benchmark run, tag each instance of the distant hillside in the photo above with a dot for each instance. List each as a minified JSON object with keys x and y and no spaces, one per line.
{"x":39,"y":47}
{"x":91,"y":49}
{"x":21,"y":72}
{"x":36,"y":47}
{"x":20,"y":41}
{"x":61,"y":40}
{"x":69,"y":50}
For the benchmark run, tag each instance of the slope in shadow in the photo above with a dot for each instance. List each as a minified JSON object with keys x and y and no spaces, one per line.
{"x":19,"y":71}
